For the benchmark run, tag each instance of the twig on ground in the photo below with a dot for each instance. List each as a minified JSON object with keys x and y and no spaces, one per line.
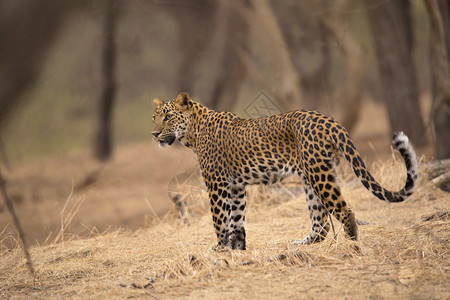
{"x":10,"y":206}
{"x":67,"y":219}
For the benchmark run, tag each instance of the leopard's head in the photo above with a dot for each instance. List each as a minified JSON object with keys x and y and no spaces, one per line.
{"x":171,"y":119}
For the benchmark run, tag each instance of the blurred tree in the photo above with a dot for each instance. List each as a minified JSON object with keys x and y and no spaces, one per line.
{"x":350,"y":96}
{"x":287,"y":90}
{"x":195,"y":20}
{"x":308,"y":43}
{"x":212,"y":33}
{"x":309,"y":32}
{"x":439,"y":15}
{"x":390,"y":23}
{"x":27,"y":30}
{"x":229,"y":41}
{"x":103,"y":138}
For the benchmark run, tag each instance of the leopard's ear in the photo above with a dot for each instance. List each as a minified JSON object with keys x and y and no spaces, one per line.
{"x":157,"y":102}
{"x":182,"y":102}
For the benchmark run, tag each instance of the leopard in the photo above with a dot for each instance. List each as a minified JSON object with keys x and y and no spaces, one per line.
{"x":234,"y":152}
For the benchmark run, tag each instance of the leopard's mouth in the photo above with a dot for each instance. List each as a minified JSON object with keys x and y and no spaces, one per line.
{"x":167,"y":140}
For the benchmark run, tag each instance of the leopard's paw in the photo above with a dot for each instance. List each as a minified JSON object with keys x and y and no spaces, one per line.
{"x":219,"y":248}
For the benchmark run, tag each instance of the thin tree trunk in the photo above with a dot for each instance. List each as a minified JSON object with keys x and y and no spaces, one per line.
{"x":392,"y":32}
{"x":439,"y":12}
{"x":10,"y":206}
{"x":103,"y":142}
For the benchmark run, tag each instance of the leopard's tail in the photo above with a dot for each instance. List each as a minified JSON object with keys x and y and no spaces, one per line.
{"x":401,"y":143}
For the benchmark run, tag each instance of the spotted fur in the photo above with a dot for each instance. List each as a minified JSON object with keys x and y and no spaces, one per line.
{"x":234,"y":152}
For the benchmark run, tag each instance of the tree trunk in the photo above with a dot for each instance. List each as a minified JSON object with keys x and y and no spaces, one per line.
{"x":351,"y":95}
{"x":439,"y":15}
{"x":220,"y":48}
{"x":230,"y":40}
{"x":103,"y":142}
{"x":288,"y":90}
{"x":308,"y":43}
{"x":195,"y":22}
{"x":27,"y":31}
{"x":316,"y":86}
{"x":390,"y":24}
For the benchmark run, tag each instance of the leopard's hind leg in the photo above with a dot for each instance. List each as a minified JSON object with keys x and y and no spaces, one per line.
{"x":318,"y":215}
{"x":330,"y":194}
{"x":324,"y":197}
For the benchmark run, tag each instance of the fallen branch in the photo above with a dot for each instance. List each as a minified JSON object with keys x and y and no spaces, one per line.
{"x":438,"y":172}
{"x":441,"y":179}
{"x":181,"y":208}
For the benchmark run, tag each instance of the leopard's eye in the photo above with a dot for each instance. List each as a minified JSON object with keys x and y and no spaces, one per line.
{"x":167,"y":117}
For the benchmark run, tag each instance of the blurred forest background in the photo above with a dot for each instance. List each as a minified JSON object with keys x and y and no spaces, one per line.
{"x":66,"y":66}
{"x":80,"y":75}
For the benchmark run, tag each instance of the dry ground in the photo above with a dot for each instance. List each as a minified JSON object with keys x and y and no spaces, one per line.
{"x":126,"y":192}
{"x":403,"y":252}
{"x":118,"y":235}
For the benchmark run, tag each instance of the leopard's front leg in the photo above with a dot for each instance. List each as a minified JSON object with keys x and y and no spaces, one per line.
{"x":236,"y":229}
{"x":221,"y":212}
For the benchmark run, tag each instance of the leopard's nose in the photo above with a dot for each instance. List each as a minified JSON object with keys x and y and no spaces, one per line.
{"x":155,"y":133}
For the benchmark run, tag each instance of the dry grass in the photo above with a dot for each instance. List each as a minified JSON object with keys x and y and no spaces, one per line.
{"x":403,"y":253}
